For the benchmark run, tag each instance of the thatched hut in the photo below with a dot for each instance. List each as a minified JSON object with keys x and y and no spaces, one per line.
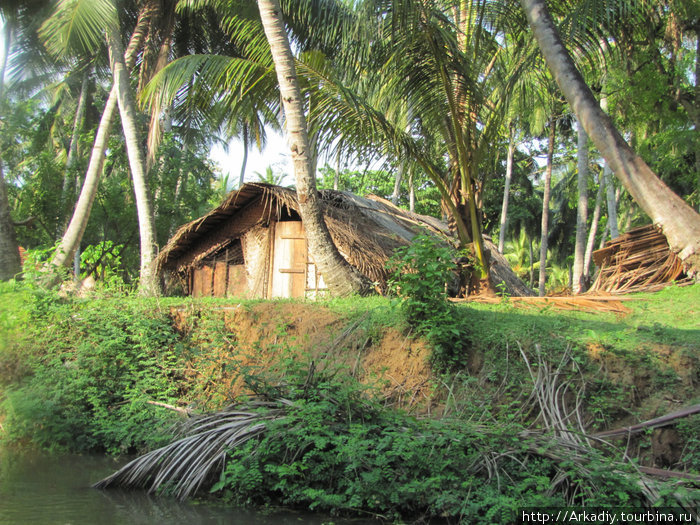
{"x":253,"y":244}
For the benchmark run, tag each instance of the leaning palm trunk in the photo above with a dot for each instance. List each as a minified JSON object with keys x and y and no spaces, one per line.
{"x":10,"y":264}
{"x":678,"y":221}
{"x":147,"y":275}
{"x":81,"y":213}
{"x":342,"y":279}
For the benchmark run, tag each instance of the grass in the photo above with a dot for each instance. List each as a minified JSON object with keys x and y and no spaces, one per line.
{"x":652,"y":351}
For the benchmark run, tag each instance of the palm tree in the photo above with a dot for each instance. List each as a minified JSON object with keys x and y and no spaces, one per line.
{"x":60,"y":39}
{"x":577,"y":284}
{"x":506,"y":189}
{"x":545,"y":206}
{"x":148,"y":282}
{"x":10,"y":264}
{"x":270,"y":177}
{"x":678,"y":221}
{"x":342,"y":278}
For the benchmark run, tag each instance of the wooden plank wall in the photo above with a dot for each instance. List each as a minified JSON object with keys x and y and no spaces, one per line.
{"x":237,"y":283}
{"x":289,"y":260}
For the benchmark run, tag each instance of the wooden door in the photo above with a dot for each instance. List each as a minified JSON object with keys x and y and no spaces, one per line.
{"x":289,"y":260}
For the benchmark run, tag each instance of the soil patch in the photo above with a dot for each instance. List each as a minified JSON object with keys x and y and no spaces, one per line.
{"x":268,"y":338}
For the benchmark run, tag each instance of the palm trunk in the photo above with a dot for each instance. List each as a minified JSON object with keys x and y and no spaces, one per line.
{"x":10,"y":264}
{"x":615,"y":199}
{"x":411,"y":194}
{"x":165,"y":25}
{"x":506,"y":191}
{"x":532,"y":265}
{"x":545,"y":207}
{"x":341,"y":278}
{"x":678,"y":221}
{"x":594,"y":229}
{"x":148,"y":282}
{"x":67,"y":192}
{"x":81,"y":213}
{"x":241,"y":179}
{"x":397,"y":184}
{"x":609,"y":189}
{"x":577,"y":284}
{"x":611,"y":201}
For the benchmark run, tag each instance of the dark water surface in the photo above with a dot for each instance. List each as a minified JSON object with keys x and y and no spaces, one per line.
{"x":41,"y":489}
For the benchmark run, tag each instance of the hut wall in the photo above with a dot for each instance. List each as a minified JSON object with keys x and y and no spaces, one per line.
{"x":256,"y":251}
{"x":237,"y":283}
{"x":203,"y":281}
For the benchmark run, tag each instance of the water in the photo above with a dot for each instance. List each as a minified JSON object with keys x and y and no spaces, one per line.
{"x":36,"y":488}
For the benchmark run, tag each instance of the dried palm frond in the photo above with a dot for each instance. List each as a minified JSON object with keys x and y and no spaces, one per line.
{"x":182,"y":467}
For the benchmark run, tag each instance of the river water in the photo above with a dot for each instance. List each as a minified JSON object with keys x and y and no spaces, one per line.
{"x":41,"y":489}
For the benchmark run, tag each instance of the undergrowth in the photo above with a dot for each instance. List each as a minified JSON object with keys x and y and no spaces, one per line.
{"x":81,"y":374}
{"x":339,"y":451}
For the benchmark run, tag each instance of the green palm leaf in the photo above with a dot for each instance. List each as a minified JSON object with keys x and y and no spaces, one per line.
{"x":77,"y":27}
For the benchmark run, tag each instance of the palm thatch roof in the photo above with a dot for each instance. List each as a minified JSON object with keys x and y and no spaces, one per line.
{"x":366,"y":230}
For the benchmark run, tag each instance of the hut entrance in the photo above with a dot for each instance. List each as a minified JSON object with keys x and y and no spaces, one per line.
{"x":293,"y":271}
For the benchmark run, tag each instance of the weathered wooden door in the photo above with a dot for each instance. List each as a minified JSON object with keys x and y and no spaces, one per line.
{"x":289,"y":260}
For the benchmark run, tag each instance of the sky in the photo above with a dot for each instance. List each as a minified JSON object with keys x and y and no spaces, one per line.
{"x":276,"y":154}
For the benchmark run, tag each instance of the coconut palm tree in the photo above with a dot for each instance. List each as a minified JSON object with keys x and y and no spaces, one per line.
{"x":578,"y":276}
{"x":342,"y":278}
{"x":148,"y":283}
{"x":63,"y":37}
{"x":678,"y":221}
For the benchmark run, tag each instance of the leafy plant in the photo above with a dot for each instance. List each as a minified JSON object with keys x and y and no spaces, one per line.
{"x":325,"y":445}
{"x":420,"y":273}
{"x":91,"y":390}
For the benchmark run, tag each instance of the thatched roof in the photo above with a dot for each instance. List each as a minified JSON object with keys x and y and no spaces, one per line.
{"x":366,"y":230}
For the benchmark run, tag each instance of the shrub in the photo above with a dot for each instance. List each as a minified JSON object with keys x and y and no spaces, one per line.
{"x":94,"y":368}
{"x":339,"y":452}
{"x":419,"y":276}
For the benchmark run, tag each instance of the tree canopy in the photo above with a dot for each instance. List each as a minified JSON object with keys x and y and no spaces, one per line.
{"x":418,"y":102}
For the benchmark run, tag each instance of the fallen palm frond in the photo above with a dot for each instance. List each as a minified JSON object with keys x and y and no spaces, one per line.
{"x":182,"y":467}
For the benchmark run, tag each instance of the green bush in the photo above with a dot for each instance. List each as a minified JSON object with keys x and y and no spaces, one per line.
{"x":420,"y":273}
{"x":336,"y":451}
{"x":94,"y":367}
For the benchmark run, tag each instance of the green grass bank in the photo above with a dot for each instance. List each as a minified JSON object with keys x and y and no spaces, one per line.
{"x":459,"y":418}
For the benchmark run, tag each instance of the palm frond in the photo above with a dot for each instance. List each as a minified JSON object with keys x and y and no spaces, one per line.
{"x":182,"y":467}
{"x":78,"y":26}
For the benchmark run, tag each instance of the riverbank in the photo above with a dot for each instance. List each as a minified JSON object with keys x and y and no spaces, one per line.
{"x":106,"y":373}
